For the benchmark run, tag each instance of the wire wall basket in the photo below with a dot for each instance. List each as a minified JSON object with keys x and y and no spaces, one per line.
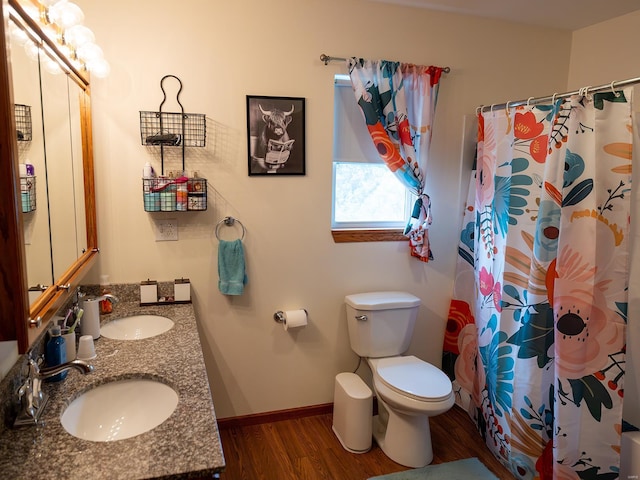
{"x":28,"y":193}
{"x":173,"y":129}
{"x":163,"y":194}
{"x":23,"y":122}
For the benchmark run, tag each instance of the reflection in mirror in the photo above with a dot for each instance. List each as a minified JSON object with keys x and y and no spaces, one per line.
{"x":26,"y":91}
{"x":75,"y":120}
{"x":60,"y":148}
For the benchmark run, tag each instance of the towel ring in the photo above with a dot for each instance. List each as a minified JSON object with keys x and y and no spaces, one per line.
{"x":229,"y":221}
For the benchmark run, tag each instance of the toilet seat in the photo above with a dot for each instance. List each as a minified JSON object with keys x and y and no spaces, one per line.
{"x":414,"y":378}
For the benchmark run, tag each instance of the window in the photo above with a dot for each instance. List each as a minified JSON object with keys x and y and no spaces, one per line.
{"x":369,"y":203}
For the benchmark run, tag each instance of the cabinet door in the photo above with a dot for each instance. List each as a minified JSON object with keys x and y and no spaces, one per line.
{"x":25,"y":72}
{"x":60,"y":166}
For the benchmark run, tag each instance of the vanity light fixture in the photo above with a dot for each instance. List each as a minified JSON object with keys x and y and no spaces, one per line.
{"x":62,"y":22}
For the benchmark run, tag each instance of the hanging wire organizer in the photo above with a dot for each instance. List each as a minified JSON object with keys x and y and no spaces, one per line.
{"x":23,"y":122}
{"x":28,"y":193}
{"x":24,"y":133}
{"x":173,"y":129}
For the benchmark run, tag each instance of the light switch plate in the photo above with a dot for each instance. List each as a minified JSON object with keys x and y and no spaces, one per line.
{"x":167,"y":229}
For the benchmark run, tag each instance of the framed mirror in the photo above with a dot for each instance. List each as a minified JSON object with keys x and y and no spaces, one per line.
{"x":64,"y":165}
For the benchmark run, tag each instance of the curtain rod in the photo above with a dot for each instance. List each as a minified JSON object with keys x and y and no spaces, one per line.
{"x":583,"y":91}
{"x":326,"y":59}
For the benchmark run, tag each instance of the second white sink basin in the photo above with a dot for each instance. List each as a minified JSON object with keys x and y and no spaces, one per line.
{"x":120,"y":409}
{"x":136,"y":327}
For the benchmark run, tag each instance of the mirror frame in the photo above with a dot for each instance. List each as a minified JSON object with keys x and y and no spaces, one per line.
{"x":18,"y":320}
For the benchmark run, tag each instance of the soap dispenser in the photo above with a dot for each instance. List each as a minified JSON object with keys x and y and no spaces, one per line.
{"x":56,"y":353}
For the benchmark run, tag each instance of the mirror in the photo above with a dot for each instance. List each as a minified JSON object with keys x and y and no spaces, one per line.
{"x":31,"y":151}
{"x":63,"y":158}
{"x":63,"y":154}
{"x":53,"y":207}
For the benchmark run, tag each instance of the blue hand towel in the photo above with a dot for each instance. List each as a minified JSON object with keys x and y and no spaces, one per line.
{"x":231,"y":270}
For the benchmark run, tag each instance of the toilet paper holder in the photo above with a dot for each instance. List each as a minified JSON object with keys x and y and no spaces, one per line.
{"x":279,"y":315}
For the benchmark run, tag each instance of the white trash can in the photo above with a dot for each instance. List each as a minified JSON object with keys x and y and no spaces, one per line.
{"x":352,"y":413}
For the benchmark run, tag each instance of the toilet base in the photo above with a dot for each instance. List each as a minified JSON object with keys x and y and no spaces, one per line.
{"x":405,"y":439}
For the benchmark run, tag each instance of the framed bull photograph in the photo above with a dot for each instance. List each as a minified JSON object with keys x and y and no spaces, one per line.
{"x":275,"y":135}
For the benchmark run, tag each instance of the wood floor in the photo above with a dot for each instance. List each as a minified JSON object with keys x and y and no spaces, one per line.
{"x":307,"y":449}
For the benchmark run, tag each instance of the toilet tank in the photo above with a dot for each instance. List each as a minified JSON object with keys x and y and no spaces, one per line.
{"x":381,"y":323}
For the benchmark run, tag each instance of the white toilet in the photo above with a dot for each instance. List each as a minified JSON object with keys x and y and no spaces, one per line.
{"x":409,"y":390}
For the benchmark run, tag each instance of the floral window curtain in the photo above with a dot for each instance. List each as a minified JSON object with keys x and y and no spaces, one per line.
{"x":537,"y":324}
{"x":398,"y":102}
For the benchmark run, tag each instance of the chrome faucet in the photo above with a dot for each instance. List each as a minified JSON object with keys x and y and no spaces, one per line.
{"x":30,"y":395}
{"x":108,"y":296}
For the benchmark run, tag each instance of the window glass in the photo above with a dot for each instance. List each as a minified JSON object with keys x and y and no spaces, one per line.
{"x":366,"y":193}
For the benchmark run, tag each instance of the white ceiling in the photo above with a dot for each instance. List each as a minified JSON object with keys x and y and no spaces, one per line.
{"x":565,"y":14}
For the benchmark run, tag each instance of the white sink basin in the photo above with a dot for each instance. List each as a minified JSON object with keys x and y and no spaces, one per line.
{"x":136,"y":327}
{"x":120,"y":409}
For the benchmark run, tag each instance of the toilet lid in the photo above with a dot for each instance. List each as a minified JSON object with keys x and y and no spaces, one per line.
{"x":414,"y":378}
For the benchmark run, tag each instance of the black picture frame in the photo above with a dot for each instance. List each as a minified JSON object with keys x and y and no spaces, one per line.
{"x":275,"y":135}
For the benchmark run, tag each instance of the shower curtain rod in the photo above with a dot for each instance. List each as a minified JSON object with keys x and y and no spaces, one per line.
{"x":326,"y":59}
{"x":583,"y":91}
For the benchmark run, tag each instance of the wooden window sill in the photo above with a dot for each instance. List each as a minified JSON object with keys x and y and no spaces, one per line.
{"x":368,"y":235}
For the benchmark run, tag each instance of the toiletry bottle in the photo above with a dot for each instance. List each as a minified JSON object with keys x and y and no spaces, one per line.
{"x":147,"y":171}
{"x":105,"y":288}
{"x":55,"y":353}
{"x":181,"y":197}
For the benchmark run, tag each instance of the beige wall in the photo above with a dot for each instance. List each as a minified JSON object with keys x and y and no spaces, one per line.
{"x":224,"y":51}
{"x":605,"y":52}
{"x":601,"y":54}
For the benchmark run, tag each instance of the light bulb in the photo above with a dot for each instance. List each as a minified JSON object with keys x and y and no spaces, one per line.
{"x":51,"y":66}
{"x":50,"y":32}
{"x":78,"y":35}
{"x":99,"y":68}
{"x":32,"y":11}
{"x":89,"y":52}
{"x":18,"y":36}
{"x":66,"y":14}
{"x":32,"y":50}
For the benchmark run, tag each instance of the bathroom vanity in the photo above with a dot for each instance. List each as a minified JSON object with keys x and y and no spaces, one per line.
{"x":186,"y":445}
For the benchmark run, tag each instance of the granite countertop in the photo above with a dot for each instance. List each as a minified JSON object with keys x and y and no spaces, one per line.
{"x":186,"y":445}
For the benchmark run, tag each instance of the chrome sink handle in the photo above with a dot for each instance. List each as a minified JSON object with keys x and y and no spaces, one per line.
{"x":30,"y":395}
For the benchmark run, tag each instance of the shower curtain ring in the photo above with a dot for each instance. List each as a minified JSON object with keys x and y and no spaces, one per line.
{"x":529,"y":101}
{"x":553,"y":98}
{"x":491,"y":109}
{"x":613,"y":90}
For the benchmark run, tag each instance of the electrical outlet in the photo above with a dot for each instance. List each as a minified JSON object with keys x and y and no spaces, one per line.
{"x":167,"y":229}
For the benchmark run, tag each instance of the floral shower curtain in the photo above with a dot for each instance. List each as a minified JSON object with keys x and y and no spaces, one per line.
{"x":398,"y":102}
{"x":536,"y":331}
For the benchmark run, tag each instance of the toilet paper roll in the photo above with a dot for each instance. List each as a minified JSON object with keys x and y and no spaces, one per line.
{"x":294,"y":319}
